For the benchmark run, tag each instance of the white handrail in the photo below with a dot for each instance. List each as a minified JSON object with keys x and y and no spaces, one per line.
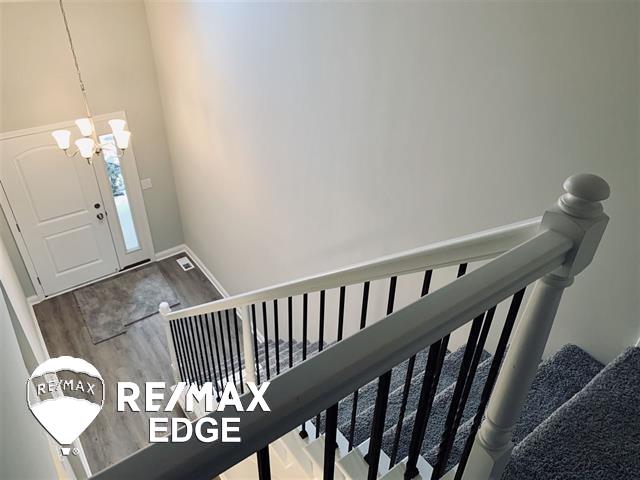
{"x":477,"y":246}
{"x":331,"y":375}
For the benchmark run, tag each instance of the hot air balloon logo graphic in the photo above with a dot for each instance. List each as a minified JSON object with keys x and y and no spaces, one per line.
{"x":65,"y":394}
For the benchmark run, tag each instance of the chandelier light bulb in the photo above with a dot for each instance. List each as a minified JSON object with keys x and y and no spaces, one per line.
{"x":85,"y":145}
{"x":117,"y":125}
{"x":122,"y":138}
{"x":62,"y":138}
{"x":85,"y":127}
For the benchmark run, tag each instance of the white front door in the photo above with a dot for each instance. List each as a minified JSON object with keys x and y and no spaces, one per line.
{"x":59,"y":211}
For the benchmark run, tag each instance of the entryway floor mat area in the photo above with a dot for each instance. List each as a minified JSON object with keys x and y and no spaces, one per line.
{"x":109,"y":306}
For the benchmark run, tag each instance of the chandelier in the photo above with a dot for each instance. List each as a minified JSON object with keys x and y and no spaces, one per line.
{"x":89,"y":145}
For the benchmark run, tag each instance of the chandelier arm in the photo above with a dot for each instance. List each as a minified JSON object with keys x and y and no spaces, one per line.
{"x":71,"y":155}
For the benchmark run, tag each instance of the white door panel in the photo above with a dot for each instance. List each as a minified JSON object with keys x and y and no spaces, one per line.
{"x":53,"y":199}
{"x":87,"y":250}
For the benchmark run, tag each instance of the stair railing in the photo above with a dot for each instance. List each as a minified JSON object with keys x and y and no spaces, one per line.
{"x":563,"y":246}
{"x":187,"y":328}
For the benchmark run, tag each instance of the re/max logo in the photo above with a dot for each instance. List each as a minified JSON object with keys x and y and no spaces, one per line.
{"x":206,"y":429}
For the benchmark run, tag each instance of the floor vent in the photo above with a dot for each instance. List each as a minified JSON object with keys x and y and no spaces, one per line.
{"x":185,"y":263}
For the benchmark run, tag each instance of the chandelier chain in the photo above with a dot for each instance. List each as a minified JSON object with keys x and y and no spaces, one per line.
{"x":75,"y":59}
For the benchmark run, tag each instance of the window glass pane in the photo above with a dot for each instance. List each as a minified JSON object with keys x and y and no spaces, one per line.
{"x":119,"y":192}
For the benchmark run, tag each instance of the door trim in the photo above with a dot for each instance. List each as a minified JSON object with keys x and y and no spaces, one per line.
{"x":13,"y":224}
{"x":22,"y":246}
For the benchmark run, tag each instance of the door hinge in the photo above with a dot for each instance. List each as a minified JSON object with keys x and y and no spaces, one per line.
{"x":18,"y":227}
{"x":38,"y":278}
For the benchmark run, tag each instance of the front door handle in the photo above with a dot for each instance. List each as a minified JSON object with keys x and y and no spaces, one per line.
{"x":100,"y":216}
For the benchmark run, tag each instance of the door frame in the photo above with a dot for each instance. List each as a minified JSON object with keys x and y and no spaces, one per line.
{"x":144,"y":235}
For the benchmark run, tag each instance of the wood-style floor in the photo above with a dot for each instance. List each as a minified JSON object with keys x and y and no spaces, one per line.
{"x":140,"y":355}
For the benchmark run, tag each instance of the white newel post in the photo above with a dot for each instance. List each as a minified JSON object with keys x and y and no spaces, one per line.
{"x":165,"y":310}
{"x":579,"y":215}
{"x":247,"y":349}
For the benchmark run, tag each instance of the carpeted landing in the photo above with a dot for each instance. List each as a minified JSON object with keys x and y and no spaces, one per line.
{"x":595,"y":435}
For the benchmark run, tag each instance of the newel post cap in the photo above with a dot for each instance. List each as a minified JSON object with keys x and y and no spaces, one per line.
{"x":587,"y":186}
{"x":584,"y":192}
{"x":164,"y":308}
{"x":579,"y":216}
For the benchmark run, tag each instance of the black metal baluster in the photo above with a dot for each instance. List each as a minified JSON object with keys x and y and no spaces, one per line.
{"x":175,"y":349}
{"x":264,"y":468}
{"x":354,"y":416}
{"x":468,"y":384}
{"x":330,"y":444}
{"x":403,"y":407}
{"x":212,"y":317}
{"x":377,"y":427}
{"x":265,"y":329}
{"x":217,"y":380}
{"x":203,"y":352}
{"x":488,"y":319}
{"x":290,"y":326}
{"x":198,"y":341}
{"x":255,"y":341}
{"x":321,"y":321}
{"x":185,"y":348}
{"x":343,"y":291}
{"x":426,"y":282}
{"x":320,"y":346}
{"x":448,"y":435}
{"x":230,"y":345}
{"x":494,"y":369}
{"x":430,"y":380}
{"x":194,"y":354}
{"x":189,"y":350}
{"x":382,"y":399}
{"x":224,"y":349}
{"x":423,"y":412}
{"x":363,"y":323}
{"x":305,"y":305}
{"x":276,"y":333}
{"x":235,"y":323}
{"x":462,"y":269}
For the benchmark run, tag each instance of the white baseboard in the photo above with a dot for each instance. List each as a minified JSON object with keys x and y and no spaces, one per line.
{"x":638,"y":343}
{"x":170,"y":252}
{"x":182,"y":248}
{"x":206,"y":271}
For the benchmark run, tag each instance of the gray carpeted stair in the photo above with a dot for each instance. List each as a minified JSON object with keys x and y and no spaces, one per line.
{"x":312,"y":348}
{"x":449,"y":373}
{"x":579,"y":421}
{"x":594,"y":436}
{"x":558,"y":379}
{"x":439,"y":410}
{"x":367,"y":398}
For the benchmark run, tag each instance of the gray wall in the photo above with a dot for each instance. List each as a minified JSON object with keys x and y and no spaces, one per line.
{"x":39,"y":86}
{"x":317,"y":135}
{"x":24,"y":448}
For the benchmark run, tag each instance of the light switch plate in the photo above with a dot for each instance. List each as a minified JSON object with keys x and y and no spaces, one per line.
{"x":146,"y":183}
